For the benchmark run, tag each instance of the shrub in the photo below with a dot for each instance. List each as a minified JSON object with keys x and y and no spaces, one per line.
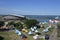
{"x":30,"y":23}
{"x":11,"y":23}
{"x":58,"y":29}
{"x":1,"y":23}
{"x":18,"y":25}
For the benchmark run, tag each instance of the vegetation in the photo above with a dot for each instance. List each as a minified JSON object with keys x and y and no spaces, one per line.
{"x":10,"y":23}
{"x":1,"y":23}
{"x":25,"y":18}
{"x":1,"y":38}
{"x":12,"y":36}
{"x":58,"y":30}
{"x":30,"y":23}
{"x":9,"y":35}
{"x":18,"y":26}
{"x":58,"y":24}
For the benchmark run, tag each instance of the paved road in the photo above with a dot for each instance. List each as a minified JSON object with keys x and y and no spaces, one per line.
{"x":54,"y":34}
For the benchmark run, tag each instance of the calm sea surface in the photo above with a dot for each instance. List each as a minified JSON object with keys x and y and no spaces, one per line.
{"x":43,"y":17}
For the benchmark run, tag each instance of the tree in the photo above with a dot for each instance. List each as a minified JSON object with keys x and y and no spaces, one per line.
{"x":18,"y":25}
{"x":1,"y":38}
{"x":25,"y":18}
{"x":1,"y":23}
{"x":11,"y":23}
{"x":30,"y":23}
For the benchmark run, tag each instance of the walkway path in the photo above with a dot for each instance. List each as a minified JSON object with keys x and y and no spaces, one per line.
{"x":54,"y":34}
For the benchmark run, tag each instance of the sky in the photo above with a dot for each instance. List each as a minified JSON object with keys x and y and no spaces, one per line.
{"x":30,"y":7}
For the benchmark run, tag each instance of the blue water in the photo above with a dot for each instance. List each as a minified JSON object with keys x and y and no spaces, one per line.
{"x":42,"y":18}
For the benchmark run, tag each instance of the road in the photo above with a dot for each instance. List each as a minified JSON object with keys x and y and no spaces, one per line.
{"x":53,"y":36}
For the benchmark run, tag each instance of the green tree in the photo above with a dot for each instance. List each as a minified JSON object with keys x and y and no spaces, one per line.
{"x":25,"y":18}
{"x":1,"y":23}
{"x":1,"y":38}
{"x":11,"y":23}
{"x":18,"y":25}
{"x":30,"y":23}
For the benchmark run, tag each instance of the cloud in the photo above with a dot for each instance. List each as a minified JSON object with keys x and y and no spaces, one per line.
{"x":14,"y":11}
{"x":23,"y":12}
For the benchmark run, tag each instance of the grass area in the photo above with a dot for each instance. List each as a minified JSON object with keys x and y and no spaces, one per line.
{"x":58,"y":34}
{"x":12,"y":36}
{"x":58,"y":38}
{"x":9,"y":36}
{"x":31,"y":37}
{"x":40,"y":29}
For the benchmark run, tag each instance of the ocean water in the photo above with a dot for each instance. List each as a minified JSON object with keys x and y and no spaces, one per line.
{"x":42,"y":18}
